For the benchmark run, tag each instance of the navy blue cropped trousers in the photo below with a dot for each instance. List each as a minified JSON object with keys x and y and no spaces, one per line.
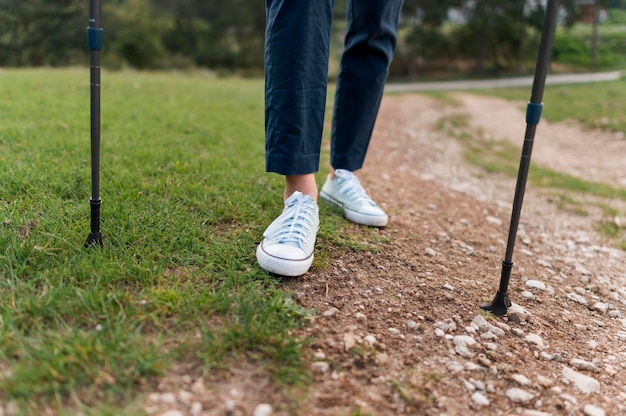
{"x":296,"y":77}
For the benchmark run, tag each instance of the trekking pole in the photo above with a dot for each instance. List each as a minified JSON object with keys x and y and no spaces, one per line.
{"x":501,"y":301}
{"x":94,"y":36}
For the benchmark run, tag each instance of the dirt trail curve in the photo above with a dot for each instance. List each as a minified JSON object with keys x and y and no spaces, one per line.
{"x":398,"y":329}
{"x":566,"y":147}
{"x":552,"y":79}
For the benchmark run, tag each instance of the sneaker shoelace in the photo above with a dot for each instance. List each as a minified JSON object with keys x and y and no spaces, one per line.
{"x":351,"y":186}
{"x":296,"y":223}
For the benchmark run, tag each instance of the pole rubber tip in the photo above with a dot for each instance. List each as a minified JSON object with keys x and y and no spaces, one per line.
{"x":94,"y":240}
{"x":499,"y":305}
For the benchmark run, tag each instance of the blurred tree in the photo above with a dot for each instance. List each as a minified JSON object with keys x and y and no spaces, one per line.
{"x":134,"y":32}
{"x":494,"y":35}
{"x":217,"y":34}
{"x":423,"y":42}
{"x":42,"y":32}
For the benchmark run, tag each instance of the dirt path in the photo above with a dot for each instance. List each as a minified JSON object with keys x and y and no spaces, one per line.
{"x":399,"y":329}
{"x":566,"y":147}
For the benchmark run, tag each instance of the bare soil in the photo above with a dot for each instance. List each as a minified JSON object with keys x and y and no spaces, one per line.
{"x":391,"y":333}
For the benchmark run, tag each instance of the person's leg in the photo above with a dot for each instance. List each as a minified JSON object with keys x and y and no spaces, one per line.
{"x":301,"y":183}
{"x":296,"y":76}
{"x":369,"y":46}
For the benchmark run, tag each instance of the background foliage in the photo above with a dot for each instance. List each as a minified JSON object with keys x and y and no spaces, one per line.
{"x":485,"y":36}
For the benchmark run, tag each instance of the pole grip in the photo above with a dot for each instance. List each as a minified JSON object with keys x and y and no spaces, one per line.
{"x":95,"y":38}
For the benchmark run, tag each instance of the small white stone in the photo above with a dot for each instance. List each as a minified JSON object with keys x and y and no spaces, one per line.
{"x":463,"y":351}
{"x":429,"y":251}
{"x":488,"y":335}
{"x":521,"y":379}
{"x":535,"y":284}
{"x":490,"y":346}
{"x":152,"y":398}
{"x":544,"y":381}
{"x":531,"y":412}
{"x":173,"y":412}
{"x":168,"y":398}
{"x":591,"y":410}
{"x":320,"y":367}
{"x":494,"y":220}
{"x":262,"y":409}
{"x":394,"y":331}
{"x":600,"y":307}
{"x":185,"y":397}
{"x":484,"y":326}
{"x":503,"y":326}
{"x":349,"y":342}
{"x":480,"y":399}
{"x":455,"y":368}
{"x":579,"y":364}
{"x":230,"y":405}
{"x":517,"y":395}
{"x":517,"y":313}
{"x":615,"y":313}
{"x":478,"y":384}
{"x":330,"y":312}
{"x":575,"y":297}
{"x":527,"y":295}
{"x":370,"y":340}
{"x":610,"y":370}
{"x":535,"y":339}
{"x":448,"y":287}
{"x":470,"y":366}
{"x":464,"y":340}
{"x":584,"y":383}
{"x":360,"y":317}
{"x":569,"y":398}
{"x":195,"y":409}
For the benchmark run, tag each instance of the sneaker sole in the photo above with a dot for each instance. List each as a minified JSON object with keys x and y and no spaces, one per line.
{"x":357,"y":217}
{"x":282,"y":267}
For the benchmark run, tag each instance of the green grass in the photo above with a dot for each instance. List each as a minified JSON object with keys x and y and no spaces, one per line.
{"x":185,"y":201}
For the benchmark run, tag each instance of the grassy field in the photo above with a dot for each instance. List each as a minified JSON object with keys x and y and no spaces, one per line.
{"x":185,"y":201}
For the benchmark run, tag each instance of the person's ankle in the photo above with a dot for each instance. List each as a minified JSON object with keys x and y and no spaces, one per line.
{"x":305,"y":184}
{"x":313,"y":194}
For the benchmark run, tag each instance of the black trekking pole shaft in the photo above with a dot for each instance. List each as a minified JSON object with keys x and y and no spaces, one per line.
{"x":501,"y":301}
{"x":94,"y":36}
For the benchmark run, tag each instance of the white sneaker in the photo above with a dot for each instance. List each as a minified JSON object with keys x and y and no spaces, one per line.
{"x":287,"y":248}
{"x":346,"y":191}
